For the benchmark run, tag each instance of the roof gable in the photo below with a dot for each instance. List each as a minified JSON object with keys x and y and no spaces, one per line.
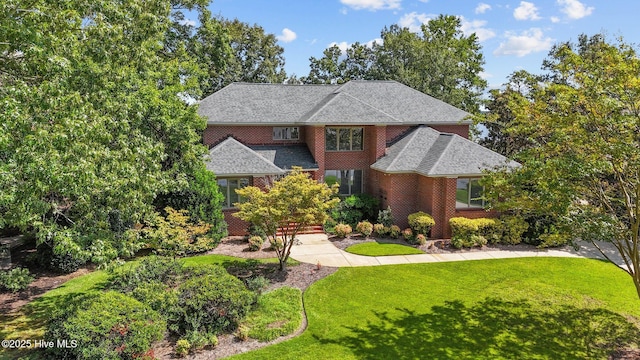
{"x":232,"y":158}
{"x":428,"y":152}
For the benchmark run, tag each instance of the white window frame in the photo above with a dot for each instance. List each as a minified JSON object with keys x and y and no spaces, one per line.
{"x":468,"y":205}
{"x":286,"y":133}
{"x":337,"y":144}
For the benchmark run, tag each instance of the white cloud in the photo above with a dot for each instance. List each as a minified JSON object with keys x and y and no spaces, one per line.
{"x":529,"y":41}
{"x":374,"y":41}
{"x":574,"y":9}
{"x":478,"y":27}
{"x":413,"y":21}
{"x":343,"y":46}
{"x":372,"y":5}
{"x":526,"y":11}
{"x":555,"y":19}
{"x":485,"y":75}
{"x":482,"y":8}
{"x":287,"y":35}
{"x":343,"y":11}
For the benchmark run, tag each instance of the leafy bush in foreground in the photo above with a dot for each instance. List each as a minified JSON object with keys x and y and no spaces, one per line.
{"x":108,"y":326}
{"x":15,"y":280}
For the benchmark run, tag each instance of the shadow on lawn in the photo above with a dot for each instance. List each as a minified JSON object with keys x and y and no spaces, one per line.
{"x":492,"y":329}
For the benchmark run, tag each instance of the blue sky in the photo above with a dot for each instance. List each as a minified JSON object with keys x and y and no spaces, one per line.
{"x":514,"y":34}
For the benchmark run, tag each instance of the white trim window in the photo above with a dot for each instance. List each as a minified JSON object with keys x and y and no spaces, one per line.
{"x":286,"y":133}
{"x":350,"y":181}
{"x":228,"y":187}
{"x":344,"y":139}
{"x":469,"y":194}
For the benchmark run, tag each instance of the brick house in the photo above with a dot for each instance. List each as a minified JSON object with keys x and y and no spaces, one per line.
{"x":377,"y":137}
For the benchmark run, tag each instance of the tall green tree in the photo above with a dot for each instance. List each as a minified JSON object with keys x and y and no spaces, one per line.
{"x":583,"y":165}
{"x":94,"y":122}
{"x":291,"y":204}
{"x":439,"y":61}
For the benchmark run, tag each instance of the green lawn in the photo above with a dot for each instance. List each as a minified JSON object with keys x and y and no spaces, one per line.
{"x":382,"y":249}
{"x":530,"y":308}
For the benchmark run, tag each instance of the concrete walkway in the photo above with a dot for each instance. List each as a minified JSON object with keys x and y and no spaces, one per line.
{"x":317,"y":248}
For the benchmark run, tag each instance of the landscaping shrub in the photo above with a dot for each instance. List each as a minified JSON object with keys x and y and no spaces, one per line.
{"x":421,"y":222}
{"x":553,"y":240}
{"x":380,"y":229}
{"x":182,"y":347}
{"x":421,"y":239}
{"x":385,"y":217}
{"x":365,"y":228}
{"x":108,"y":326}
{"x":255,"y":243}
{"x":394,"y":231}
{"x":544,"y":225}
{"x":201,"y":339}
{"x":46,"y":258}
{"x":513,"y":228}
{"x":407,"y":234}
{"x":277,"y":244}
{"x":150,"y":269}
{"x":342,"y":230}
{"x":257,"y":284}
{"x":160,"y":298}
{"x":212,"y":303}
{"x":473,"y":232}
{"x":355,"y":208}
{"x":15,"y":280}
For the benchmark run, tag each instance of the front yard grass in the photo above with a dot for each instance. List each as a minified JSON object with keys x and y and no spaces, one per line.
{"x":533,"y":308}
{"x":382,"y":249}
{"x":278,"y":313}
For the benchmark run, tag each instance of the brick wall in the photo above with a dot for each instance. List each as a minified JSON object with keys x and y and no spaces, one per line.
{"x":248,"y":135}
{"x":462,"y":130}
{"x":393,"y":131}
{"x":315,"y":142}
{"x":400,"y":196}
{"x":237,"y":227}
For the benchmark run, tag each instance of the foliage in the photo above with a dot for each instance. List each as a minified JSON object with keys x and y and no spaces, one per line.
{"x":439,"y":61}
{"x":394,"y":231}
{"x":407,"y":234}
{"x":292,"y":203}
{"x":201,"y":339}
{"x":513,"y":229}
{"x":355,"y":208}
{"x":365,"y":228}
{"x":16,"y":279}
{"x":582,"y":167}
{"x":182,"y":347}
{"x":380,"y":229}
{"x":212,"y":303}
{"x":45,"y":258}
{"x":108,"y":326}
{"x":277,"y":313}
{"x":421,"y":239}
{"x":474,"y":232}
{"x":242,"y":332}
{"x":255,"y":243}
{"x":159,"y":297}
{"x":94,"y":130}
{"x":385,"y":217}
{"x":202,"y":200}
{"x":150,"y":269}
{"x":421,"y":222}
{"x":342,"y":230}
{"x":174,"y":234}
{"x":257,"y":284}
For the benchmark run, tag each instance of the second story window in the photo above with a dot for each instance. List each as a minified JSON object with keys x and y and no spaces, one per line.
{"x":343,"y":139}
{"x":286,"y":133}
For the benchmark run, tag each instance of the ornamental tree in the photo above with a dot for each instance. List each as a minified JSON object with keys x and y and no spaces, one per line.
{"x":582,"y":165}
{"x":289,"y":205}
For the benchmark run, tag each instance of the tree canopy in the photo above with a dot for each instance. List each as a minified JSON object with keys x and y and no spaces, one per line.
{"x":95,"y":124}
{"x":581,"y":121}
{"x":291,"y":204}
{"x":439,"y":61}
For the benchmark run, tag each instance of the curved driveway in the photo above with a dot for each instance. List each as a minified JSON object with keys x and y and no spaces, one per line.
{"x":317,"y":249}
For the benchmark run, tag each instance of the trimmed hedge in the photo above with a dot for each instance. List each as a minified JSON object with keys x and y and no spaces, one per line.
{"x":478,"y":232}
{"x":421,"y":222}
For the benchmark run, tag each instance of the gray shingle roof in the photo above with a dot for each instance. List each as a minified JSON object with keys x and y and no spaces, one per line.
{"x":356,"y":102}
{"x":232,"y":158}
{"x":431,"y":153}
{"x":287,"y":156}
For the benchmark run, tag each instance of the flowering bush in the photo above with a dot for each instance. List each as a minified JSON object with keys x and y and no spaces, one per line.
{"x":365,"y":228}
{"x":342,"y":230}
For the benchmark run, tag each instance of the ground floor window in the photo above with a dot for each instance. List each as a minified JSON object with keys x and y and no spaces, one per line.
{"x":350,"y":181}
{"x":228,"y":187}
{"x":469,"y":194}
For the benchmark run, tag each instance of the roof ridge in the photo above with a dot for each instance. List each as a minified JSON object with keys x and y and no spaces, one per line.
{"x":373,"y":107}
{"x":410,"y":136}
{"x":440,"y":138}
{"x":247,"y":148}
